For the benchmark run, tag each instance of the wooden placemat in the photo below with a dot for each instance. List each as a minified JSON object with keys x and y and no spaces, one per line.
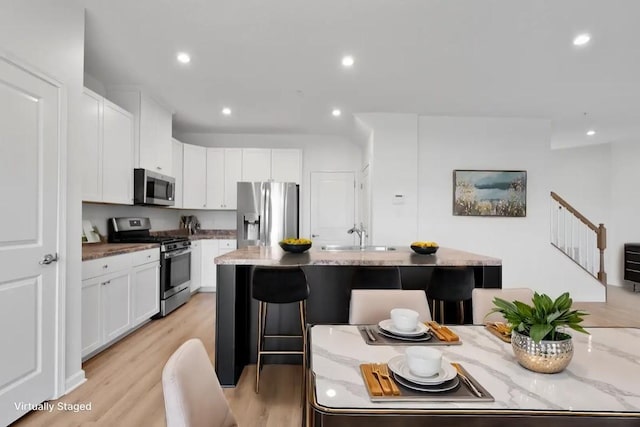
{"x":385,"y":340}
{"x":494,"y":330}
{"x":460,"y":394}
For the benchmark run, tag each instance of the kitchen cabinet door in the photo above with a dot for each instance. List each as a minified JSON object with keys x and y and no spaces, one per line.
{"x":215,"y":178}
{"x":117,"y":155}
{"x":232,"y":175}
{"x":90,"y":128}
{"x":209,"y":252}
{"x":155,"y":136}
{"x":116,"y":304}
{"x":194,"y":173}
{"x":145,"y":298}
{"x":91,"y":315}
{"x":256,"y":164}
{"x":196,"y":265}
{"x":177,"y":159}
{"x":286,"y":165}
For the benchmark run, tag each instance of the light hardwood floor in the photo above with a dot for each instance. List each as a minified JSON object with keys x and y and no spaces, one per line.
{"x":124,"y":382}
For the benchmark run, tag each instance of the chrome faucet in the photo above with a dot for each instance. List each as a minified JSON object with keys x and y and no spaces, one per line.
{"x":361,"y":232}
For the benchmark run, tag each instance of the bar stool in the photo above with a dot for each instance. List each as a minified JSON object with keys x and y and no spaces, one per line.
{"x":451,"y":284}
{"x":279,"y":285}
{"x":376,"y":278}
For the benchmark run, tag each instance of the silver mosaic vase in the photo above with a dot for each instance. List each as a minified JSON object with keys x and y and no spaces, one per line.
{"x":547,"y":357}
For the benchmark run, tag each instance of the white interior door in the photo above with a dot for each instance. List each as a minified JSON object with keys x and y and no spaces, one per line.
{"x":333,"y":201}
{"x":29,"y":189}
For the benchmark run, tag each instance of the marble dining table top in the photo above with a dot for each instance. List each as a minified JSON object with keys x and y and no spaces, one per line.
{"x":602,"y":376}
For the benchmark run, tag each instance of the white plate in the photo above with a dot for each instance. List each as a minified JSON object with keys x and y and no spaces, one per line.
{"x":398,"y":366}
{"x":388,"y":326}
{"x":434,"y":388}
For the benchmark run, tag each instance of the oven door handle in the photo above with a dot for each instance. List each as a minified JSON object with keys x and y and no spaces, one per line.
{"x":174,"y":254}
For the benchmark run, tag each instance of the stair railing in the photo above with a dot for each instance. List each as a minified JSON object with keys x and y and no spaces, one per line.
{"x":578,"y":238}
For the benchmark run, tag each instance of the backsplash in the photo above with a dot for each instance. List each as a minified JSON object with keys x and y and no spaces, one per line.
{"x":161,"y":218}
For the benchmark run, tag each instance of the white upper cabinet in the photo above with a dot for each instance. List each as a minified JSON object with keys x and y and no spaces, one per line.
{"x":177,"y":159}
{"x":107,"y":144}
{"x":91,"y":136}
{"x":286,"y":165}
{"x":153,"y":148}
{"x":256,"y":164}
{"x":194,"y":174}
{"x":224,"y":170}
{"x":263,"y":164}
{"x":117,"y":155}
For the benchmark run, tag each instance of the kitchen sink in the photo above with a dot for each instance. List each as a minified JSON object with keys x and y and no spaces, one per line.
{"x":354,"y":248}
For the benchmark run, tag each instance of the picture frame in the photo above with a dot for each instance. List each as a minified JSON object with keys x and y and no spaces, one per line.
{"x":497,"y":193}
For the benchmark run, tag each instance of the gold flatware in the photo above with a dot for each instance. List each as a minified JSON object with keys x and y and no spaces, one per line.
{"x":384,"y":371}
{"x":466,"y":379}
{"x":443,"y":333}
{"x":386,"y":389}
{"x":373,"y":385}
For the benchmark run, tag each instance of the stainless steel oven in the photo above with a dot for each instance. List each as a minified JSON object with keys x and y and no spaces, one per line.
{"x":175,"y":259}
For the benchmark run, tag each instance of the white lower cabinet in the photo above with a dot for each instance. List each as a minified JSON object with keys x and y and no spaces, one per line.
{"x":118,"y":294}
{"x":203,"y":267}
{"x":209,"y":252}
{"x":145,"y":292}
{"x":196,"y":265}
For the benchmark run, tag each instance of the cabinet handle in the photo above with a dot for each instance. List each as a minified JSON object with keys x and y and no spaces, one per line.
{"x":315,"y":235}
{"x":159,"y":168}
{"x":204,"y":206}
{"x":106,"y":283}
{"x":105,"y":266}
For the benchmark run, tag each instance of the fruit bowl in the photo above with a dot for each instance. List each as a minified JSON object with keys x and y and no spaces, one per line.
{"x":296,"y":246}
{"x":424,"y":248}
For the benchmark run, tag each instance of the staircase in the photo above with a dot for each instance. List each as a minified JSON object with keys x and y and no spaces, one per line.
{"x":578,"y":238}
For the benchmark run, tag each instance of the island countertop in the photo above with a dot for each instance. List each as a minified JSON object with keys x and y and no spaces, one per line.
{"x":402,"y":256}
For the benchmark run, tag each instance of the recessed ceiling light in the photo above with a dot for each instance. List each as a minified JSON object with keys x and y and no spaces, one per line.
{"x":226,"y":111}
{"x":348,"y":61}
{"x":591,"y":132}
{"x":183,"y":57}
{"x":336,"y":112}
{"x":581,"y":39}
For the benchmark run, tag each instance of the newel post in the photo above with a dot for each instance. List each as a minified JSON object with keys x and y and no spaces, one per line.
{"x":602,"y":245}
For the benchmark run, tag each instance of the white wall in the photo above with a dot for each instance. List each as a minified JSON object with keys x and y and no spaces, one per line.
{"x":161,"y":218}
{"x":320,"y":153}
{"x":449,"y":143}
{"x":393,"y":177}
{"x":50,"y":37}
{"x":582,"y":176}
{"x":625,"y":205}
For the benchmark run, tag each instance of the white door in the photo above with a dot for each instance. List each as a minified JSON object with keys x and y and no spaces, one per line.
{"x":333,"y":202}
{"x":215,"y":178}
{"x":29,"y":189}
{"x":194,"y":177}
{"x":232,"y":175}
{"x":256,"y":164}
{"x":117,"y":155}
{"x":286,"y":165}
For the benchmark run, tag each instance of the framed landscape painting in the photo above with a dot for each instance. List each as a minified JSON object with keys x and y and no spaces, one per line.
{"x":490,"y":193}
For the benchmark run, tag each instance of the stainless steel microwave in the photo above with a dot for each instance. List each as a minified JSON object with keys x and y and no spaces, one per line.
{"x":152,"y":188}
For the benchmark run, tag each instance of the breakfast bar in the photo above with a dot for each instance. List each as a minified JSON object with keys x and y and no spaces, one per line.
{"x":328,"y":274}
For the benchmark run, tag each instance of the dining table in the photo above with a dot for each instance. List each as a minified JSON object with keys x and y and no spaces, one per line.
{"x":599,"y":387}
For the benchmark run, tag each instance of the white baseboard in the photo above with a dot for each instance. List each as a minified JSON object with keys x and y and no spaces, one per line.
{"x":207,"y":289}
{"x":75,"y":381}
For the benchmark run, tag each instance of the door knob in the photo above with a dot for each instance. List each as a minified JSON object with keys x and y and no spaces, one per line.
{"x":48,"y":259}
{"x":315,"y":235}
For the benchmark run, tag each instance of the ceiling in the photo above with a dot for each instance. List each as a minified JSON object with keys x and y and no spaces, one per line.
{"x":276,"y":63}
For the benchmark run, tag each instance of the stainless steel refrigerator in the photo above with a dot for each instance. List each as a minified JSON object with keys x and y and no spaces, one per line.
{"x":267,"y":212}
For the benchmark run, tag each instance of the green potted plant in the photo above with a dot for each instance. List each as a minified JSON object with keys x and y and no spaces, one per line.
{"x":537,"y":336}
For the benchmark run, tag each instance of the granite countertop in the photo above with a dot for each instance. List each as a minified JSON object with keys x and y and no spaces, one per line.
{"x":200,"y":234}
{"x":600,"y":377}
{"x":261,"y":255}
{"x":100,"y":250}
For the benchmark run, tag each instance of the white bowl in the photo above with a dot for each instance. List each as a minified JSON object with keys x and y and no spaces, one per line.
{"x":404,"y":319}
{"x":423,"y":361}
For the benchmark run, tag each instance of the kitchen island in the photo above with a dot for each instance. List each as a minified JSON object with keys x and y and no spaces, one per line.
{"x":328,"y":274}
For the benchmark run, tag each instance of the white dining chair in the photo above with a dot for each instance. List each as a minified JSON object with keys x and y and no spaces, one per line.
{"x":482,"y":301}
{"x":370,"y":306}
{"x":192,"y":393}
